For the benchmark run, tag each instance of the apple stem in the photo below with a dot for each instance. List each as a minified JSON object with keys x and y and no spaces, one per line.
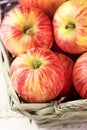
{"x":36,"y":64}
{"x":70,"y":25}
{"x":29,"y":32}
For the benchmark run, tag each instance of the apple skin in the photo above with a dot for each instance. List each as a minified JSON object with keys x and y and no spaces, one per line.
{"x":70,"y":28}
{"x":55,"y":48}
{"x":24,"y":28}
{"x":80,"y":75}
{"x":37,"y":75}
{"x":48,"y":6}
{"x":68,"y":65}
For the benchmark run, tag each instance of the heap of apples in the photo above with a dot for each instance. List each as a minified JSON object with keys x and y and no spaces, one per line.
{"x":49,"y":42}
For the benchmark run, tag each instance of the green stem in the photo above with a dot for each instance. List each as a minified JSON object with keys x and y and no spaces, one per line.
{"x":70,"y":26}
{"x":30,"y":32}
{"x":36,"y":64}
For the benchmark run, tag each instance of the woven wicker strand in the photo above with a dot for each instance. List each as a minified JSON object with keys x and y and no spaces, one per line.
{"x":44,"y":114}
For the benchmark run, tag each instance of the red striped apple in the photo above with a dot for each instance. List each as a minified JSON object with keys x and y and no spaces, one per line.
{"x":48,"y":6}
{"x":67,"y":64}
{"x":55,"y":48}
{"x":37,"y":75}
{"x":24,"y":28}
{"x":70,"y":26}
{"x":80,"y":75}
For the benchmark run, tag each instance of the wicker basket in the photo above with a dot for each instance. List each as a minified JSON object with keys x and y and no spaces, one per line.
{"x":44,"y":114}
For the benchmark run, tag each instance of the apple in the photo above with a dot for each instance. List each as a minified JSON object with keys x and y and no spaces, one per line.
{"x":70,"y":26}
{"x":48,"y":6}
{"x":80,"y":75}
{"x":37,"y":75}
{"x":68,"y":65}
{"x":23,"y":28}
{"x":56,"y":48}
